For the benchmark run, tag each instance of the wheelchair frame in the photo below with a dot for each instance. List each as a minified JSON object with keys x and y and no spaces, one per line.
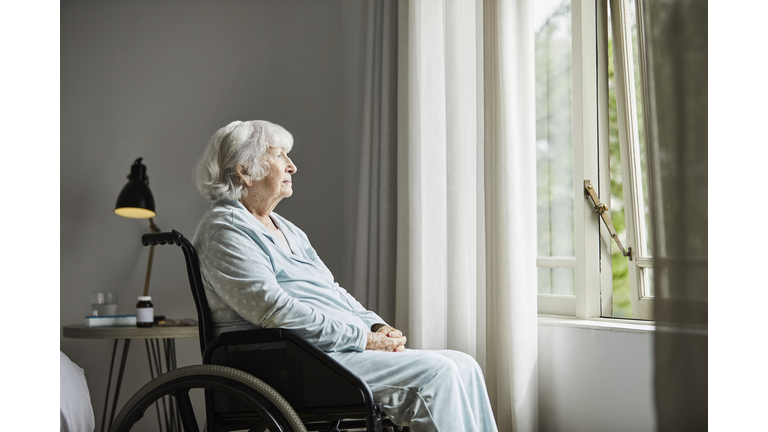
{"x":321,"y":392}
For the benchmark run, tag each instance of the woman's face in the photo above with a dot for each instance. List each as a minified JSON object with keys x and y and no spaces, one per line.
{"x":277,"y":184}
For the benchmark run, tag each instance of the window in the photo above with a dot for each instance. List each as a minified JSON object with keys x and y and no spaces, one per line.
{"x":589,"y":126}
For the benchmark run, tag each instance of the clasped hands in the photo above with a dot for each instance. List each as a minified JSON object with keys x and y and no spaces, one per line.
{"x":385,"y":338}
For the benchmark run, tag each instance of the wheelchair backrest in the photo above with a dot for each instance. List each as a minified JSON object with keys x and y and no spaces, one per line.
{"x":195,"y":279}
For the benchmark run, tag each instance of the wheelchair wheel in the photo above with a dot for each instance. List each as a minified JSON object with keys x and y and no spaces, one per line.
{"x":275,"y":413}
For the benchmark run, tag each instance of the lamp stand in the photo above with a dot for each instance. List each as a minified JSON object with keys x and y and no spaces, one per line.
{"x":154,"y":229}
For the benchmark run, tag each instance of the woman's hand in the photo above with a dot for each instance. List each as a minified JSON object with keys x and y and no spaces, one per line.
{"x":387,"y":330}
{"x":379,"y":341}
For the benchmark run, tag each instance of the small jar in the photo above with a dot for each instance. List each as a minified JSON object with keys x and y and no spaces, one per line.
{"x":145,"y":312}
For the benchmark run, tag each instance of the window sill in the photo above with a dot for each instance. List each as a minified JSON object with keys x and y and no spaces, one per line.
{"x":598,"y":324}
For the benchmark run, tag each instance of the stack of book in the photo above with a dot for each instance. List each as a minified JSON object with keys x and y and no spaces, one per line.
{"x":111,"y":321}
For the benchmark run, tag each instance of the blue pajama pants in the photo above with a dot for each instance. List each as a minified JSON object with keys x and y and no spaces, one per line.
{"x":429,"y":391}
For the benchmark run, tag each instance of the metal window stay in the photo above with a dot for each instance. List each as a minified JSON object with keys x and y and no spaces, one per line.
{"x":602,"y":210}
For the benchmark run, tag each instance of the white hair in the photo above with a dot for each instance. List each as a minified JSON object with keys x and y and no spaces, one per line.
{"x":238,"y":142}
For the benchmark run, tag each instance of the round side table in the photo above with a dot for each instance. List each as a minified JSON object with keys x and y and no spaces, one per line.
{"x":153,"y":337}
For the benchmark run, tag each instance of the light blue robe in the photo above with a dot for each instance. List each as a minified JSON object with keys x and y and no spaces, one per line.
{"x":252,"y":282}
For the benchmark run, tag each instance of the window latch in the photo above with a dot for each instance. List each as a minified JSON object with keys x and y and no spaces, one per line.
{"x":602,"y":210}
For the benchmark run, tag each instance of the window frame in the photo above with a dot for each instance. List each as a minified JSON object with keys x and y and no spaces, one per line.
{"x":629,"y":145}
{"x":593,"y":284}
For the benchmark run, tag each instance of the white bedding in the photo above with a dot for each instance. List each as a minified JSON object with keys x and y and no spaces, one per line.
{"x":74,"y":399}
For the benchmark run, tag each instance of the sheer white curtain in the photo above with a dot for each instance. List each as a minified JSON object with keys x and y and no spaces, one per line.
{"x":369,"y":272}
{"x":466,"y":213}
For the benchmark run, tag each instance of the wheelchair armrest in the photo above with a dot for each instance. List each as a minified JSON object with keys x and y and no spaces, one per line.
{"x":254,"y":336}
{"x":273,"y":335}
{"x":258,"y":339}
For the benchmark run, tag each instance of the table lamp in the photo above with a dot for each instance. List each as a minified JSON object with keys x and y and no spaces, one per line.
{"x":136,"y":202}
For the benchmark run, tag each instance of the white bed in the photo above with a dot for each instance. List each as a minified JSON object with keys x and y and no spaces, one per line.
{"x":74,"y":399}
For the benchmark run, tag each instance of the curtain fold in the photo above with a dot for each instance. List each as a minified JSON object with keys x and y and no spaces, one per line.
{"x":676,"y":46}
{"x":510,"y":185}
{"x":443,"y":233}
{"x":370,"y":271}
{"x":466,"y":230}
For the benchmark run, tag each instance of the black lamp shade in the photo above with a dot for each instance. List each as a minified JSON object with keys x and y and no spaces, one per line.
{"x":135,"y":200}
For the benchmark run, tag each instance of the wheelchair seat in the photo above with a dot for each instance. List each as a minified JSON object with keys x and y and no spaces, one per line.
{"x":324,"y":394}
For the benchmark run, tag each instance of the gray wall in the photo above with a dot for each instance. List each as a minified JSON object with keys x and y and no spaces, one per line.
{"x":156,"y":79}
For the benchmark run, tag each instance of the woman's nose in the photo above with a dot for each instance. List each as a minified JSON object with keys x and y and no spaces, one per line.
{"x":291,"y":168}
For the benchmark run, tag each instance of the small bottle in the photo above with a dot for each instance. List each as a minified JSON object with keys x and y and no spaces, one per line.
{"x":145,"y":312}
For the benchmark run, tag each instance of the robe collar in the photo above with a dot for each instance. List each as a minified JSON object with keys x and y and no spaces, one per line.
{"x":244,"y":216}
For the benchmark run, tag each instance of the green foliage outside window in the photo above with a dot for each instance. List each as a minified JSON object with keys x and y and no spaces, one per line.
{"x":622,"y":304}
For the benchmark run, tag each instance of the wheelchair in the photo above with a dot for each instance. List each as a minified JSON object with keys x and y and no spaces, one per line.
{"x":256,"y":380}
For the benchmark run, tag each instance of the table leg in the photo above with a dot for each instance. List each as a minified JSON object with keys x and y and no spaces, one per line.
{"x":169,"y":347}
{"x":150,"y":352}
{"x":155,"y":357}
{"x":126,"y":345}
{"x":109,"y":384}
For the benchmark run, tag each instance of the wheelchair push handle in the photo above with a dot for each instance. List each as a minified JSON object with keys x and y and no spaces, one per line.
{"x":173,"y":237}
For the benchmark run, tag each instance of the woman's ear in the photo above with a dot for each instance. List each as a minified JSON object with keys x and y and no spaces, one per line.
{"x":242,"y":173}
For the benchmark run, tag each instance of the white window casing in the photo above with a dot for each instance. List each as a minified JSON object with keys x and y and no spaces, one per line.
{"x":585,"y":157}
{"x":592,"y":241}
{"x":629,"y":145}
{"x":553,"y":304}
{"x":604,"y":148}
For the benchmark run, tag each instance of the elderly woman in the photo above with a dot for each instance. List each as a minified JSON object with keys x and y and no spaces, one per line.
{"x":260,"y":271}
